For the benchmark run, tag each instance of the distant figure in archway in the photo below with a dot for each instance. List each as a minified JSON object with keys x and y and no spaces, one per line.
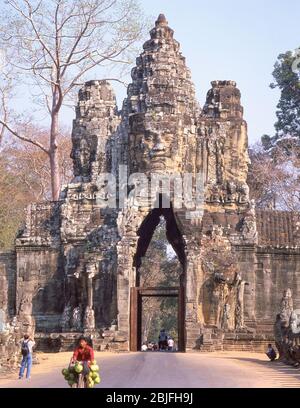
{"x":163,"y":340}
{"x":155,"y":347}
{"x":144,"y":347}
{"x":170,"y":344}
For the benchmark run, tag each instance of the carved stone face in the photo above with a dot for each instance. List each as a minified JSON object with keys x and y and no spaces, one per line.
{"x":231,"y":187}
{"x":295,"y":321}
{"x":156,"y":151}
{"x":84,"y":157}
{"x":236,"y":156}
{"x":287,"y":294}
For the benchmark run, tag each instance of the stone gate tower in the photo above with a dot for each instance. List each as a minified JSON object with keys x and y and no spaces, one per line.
{"x":77,"y":260}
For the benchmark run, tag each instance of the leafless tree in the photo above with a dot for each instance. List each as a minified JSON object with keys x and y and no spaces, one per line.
{"x":52,"y":44}
{"x":274,"y":178}
{"x":29,"y":165}
{"x":25,"y":178}
{"x":5,"y":94}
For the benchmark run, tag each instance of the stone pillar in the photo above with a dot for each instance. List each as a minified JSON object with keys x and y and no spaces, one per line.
{"x":2,"y":320}
{"x":248,"y":262}
{"x":191,"y":293}
{"x":90,"y":289}
{"x":125,"y":280}
{"x":89,"y":316}
{"x":3,"y":292}
{"x":25,"y":317}
{"x":240,"y":303}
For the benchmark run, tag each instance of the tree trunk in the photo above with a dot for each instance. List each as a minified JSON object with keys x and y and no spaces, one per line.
{"x":53,"y":153}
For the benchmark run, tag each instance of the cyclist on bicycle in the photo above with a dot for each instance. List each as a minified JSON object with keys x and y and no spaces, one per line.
{"x":83,"y":353}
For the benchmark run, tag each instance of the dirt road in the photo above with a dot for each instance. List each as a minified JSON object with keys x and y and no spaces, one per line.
{"x":168,"y":370}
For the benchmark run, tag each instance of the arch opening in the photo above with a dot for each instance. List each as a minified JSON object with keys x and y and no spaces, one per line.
{"x":157,"y":298}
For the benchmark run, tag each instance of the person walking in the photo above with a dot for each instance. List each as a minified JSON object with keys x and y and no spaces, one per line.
{"x":163,"y":340}
{"x":27,"y":345}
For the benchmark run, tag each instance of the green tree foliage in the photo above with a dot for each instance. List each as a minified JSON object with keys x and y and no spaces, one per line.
{"x":164,"y":316}
{"x":288,"y":108}
{"x":274,"y":171}
{"x":160,"y":268}
{"x":13,"y":199}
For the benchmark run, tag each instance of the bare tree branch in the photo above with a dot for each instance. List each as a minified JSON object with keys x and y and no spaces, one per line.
{"x":29,"y":18}
{"x":53,"y":45}
{"x":24,"y":138}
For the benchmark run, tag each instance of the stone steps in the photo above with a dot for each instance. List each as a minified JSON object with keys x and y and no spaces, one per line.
{"x":55,"y":343}
{"x":251,"y":345}
{"x":212,"y":339}
{"x":265,"y":328}
{"x":204,"y":339}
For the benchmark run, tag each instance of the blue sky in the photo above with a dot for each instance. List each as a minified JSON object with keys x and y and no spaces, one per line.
{"x":238,"y":40}
{"x":228,"y":39}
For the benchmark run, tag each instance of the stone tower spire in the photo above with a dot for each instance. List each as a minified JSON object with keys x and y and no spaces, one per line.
{"x":160,"y":104}
{"x":161,"y":20}
{"x":223,"y":101}
{"x":96,"y":120}
{"x":223,"y":146}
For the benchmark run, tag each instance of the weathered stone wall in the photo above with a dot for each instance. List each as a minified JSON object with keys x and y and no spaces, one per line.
{"x":39,"y":278}
{"x":247,"y":264}
{"x":8,"y":282}
{"x":40,"y":290}
{"x":9,"y":333}
{"x":276,"y":270}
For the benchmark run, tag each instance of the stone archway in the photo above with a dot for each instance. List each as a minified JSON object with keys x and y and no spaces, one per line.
{"x":138,"y":292}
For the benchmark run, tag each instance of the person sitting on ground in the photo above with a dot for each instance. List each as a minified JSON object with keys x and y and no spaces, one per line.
{"x":144,"y":347}
{"x":271,"y":353}
{"x":83,"y":353}
{"x":155,"y":347}
{"x":26,"y":349}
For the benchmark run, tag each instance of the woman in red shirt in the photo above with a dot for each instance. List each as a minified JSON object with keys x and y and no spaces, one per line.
{"x":83,"y":353}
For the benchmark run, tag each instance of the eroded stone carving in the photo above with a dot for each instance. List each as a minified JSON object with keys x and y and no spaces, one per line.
{"x":66,"y":318}
{"x":286,"y":307}
{"x":76,"y":319}
{"x":89,"y":319}
{"x":239,"y":311}
{"x":224,"y":283}
{"x":287,"y":331}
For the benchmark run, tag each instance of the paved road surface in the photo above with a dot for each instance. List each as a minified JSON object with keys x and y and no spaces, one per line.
{"x":173,"y":370}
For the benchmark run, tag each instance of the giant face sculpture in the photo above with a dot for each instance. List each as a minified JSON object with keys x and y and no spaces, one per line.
{"x":156,"y":153}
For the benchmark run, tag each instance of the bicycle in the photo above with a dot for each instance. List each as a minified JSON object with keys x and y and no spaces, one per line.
{"x":81,"y":381}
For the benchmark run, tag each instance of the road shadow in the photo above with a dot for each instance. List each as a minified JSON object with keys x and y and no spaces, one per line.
{"x":277,"y":366}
